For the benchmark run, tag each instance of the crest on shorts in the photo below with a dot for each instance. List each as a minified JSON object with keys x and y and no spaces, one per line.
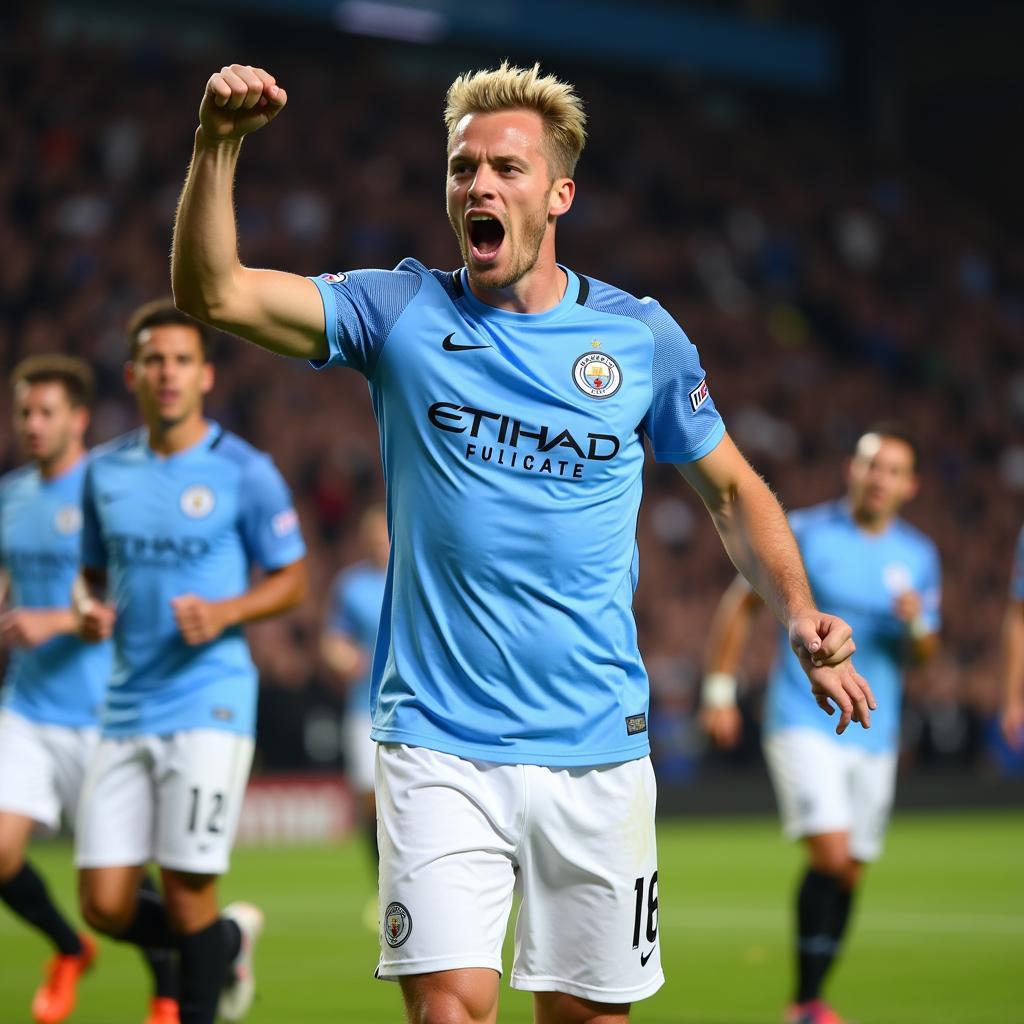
{"x":597,"y":374}
{"x":68,"y":520}
{"x":397,"y":924}
{"x":197,"y":501}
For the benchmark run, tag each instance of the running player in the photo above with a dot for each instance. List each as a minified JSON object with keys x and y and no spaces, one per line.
{"x":1012,"y":666}
{"x":357,"y":594}
{"x":175,"y":516}
{"x":55,"y":683}
{"x":835,"y":792}
{"x":509,"y":700}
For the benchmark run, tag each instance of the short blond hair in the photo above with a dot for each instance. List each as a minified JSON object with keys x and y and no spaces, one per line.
{"x":512,"y":88}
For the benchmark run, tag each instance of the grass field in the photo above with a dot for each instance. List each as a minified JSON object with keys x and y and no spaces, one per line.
{"x":938,"y":936}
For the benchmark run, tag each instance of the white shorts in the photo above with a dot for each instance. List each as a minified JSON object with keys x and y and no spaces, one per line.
{"x":360,"y":752}
{"x":458,"y":837}
{"x":41,"y":768}
{"x":173,"y":799}
{"x":825,"y":786}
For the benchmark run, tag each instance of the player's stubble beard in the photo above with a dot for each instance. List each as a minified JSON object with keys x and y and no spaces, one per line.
{"x":524,"y":255}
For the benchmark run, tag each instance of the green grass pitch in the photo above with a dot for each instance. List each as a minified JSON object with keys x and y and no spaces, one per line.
{"x":937,"y":938}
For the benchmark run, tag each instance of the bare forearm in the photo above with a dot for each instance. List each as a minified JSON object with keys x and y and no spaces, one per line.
{"x":761,"y":545}
{"x":1012,"y":659}
{"x":275,"y":594}
{"x":730,"y":628}
{"x":204,"y":258}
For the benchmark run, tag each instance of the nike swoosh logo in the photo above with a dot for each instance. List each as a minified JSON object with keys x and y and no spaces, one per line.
{"x":644,"y":959}
{"x":449,"y":346}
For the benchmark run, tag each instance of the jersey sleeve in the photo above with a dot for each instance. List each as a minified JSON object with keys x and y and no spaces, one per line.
{"x":682,"y":422}
{"x":931,"y":590}
{"x":1017,"y":576}
{"x":360,"y":310}
{"x":94,"y":548}
{"x":270,"y":524}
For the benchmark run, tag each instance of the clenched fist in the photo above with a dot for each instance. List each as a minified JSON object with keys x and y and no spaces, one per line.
{"x":238,"y":100}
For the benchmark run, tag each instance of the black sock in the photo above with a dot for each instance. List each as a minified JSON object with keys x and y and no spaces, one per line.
{"x":232,"y":938}
{"x":817,"y":915}
{"x":204,"y":965}
{"x":844,"y":901}
{"x":149,"y":927}
{"x":162,"y":963}
{"x":27,"y":896}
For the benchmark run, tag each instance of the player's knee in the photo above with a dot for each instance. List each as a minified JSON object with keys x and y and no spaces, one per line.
{"x":446,"y":1007}
{"x":105,"y":911}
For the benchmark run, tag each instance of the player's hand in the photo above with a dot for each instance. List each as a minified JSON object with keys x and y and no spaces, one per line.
{"x":908,"y":606}
{"x":1011,"y":721}
{"x":95,"y":621}
{"x":199,"y":621}
{"x":820,"y":639}
{"x":238,"y":100}
{"x":723,"y":725}
{"x":27,"y":627}
{"x":842,"y":686}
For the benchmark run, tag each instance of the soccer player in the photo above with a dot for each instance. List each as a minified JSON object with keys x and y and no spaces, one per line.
{"x":175,"y":516}
{"x":1012,"y":667}
{"x":509,"y":700}
{"x":55,"y":683}
{"x":835,"y":792}
{"x":347,"y":647}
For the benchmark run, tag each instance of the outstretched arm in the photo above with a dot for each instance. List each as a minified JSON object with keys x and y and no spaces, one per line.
{"x":758,"y":539}
{"x":278,"y":311}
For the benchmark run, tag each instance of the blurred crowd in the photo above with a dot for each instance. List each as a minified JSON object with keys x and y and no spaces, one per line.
{"x":825,"y":287}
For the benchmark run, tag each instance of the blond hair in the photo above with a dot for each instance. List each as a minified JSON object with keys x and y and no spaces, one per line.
{"x":512,"y":88}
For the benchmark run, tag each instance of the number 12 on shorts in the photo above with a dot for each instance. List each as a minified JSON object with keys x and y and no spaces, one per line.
{"x":651,"y":892}
{"x":209,"y":818}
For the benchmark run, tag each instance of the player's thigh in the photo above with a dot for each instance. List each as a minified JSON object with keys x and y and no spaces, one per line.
{"x":469,"y":995}
{"x":809,"y":776}
{"x":447,"y":830}
{"x":114,"y":823}
{"x":873,"y":784}
{"x":28,"y":786}
{"x":108,"y":896}
{"x":201,"y":776}
{"x":588,"y":923}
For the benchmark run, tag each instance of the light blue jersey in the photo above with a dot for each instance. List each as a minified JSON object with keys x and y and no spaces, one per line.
{"x":858,"y":576}
{"x":61,"y":682}
{"x":357,"y":595}
{"x":513,"y":447}
{"x":190,"y":523}
{"x":1017,"y":579}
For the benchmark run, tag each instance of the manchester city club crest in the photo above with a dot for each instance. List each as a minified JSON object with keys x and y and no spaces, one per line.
{"x":68,"y":520}
{"x":397,"y":924}
{"x":597,"y":374}
{"x":197,"y":501}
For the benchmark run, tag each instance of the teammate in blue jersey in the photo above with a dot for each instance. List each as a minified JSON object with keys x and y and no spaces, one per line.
{"x":347,"y":644}
{"x":508,"y":697}
{"x":835,"y":792}
{"x":1012,"y":655}
{"x":55,"y":684}
{"x":176,"y":517}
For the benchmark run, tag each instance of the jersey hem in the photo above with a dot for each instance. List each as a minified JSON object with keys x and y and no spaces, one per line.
{"x":330,"y":324}
{"x":708,"y":445}
{"x":504,"y":755}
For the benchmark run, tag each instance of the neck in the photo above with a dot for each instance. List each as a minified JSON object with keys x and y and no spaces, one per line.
{"x":59,"y":465}
{"x":171,"y":438}
{"x":540,"y":289}
{"x":870,"y":523}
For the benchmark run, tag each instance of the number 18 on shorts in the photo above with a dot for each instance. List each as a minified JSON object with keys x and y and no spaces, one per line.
{"x":458,"y":838}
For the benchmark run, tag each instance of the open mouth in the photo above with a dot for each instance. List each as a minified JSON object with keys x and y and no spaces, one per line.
{"x":485,"y":236}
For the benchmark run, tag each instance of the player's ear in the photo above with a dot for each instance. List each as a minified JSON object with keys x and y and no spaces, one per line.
{"x":208,"y":377}
{"x":562,"y":192}
{"x":130,"y":377}
{"x":79,"y":421}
